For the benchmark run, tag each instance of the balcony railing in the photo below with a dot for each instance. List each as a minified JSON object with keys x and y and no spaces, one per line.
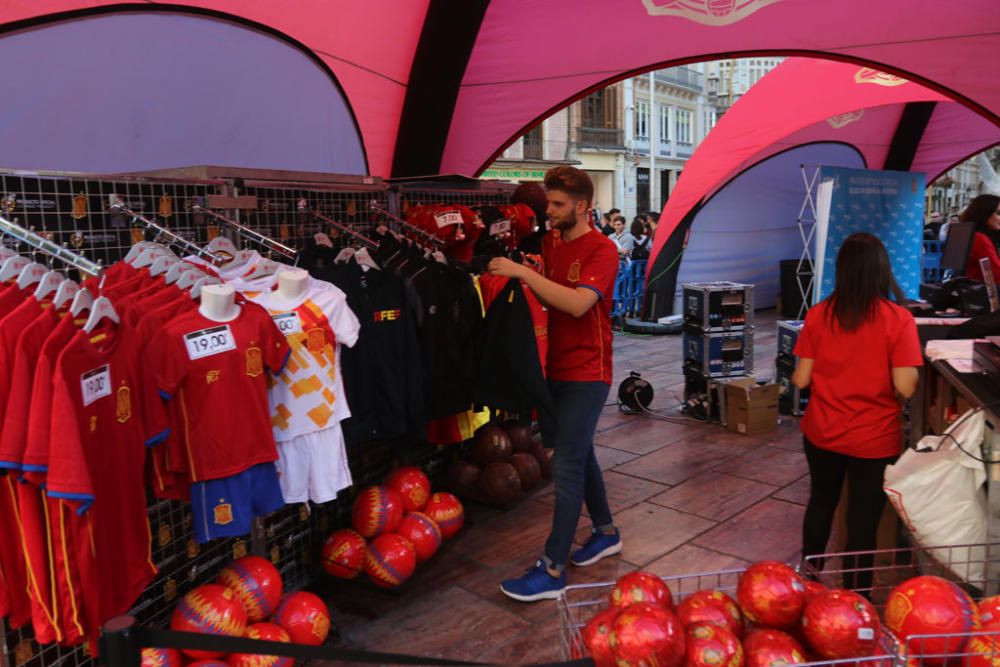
{"x":533,"y":148}
{"x":680,"y":76}
{"x":601,"y":137}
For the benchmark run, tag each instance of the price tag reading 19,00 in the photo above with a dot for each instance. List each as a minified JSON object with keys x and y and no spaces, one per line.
{"x":95,"y":384}
{"x":288,"y":323}
{"x":207,"y":342}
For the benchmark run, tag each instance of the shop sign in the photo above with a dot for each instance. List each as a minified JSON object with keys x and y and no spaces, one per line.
{"x":515,"y":174}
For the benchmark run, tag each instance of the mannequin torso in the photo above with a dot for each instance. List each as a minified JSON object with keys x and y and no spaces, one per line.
{"x":218,"y":303}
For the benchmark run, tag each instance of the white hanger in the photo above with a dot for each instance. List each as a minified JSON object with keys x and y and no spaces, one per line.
{"x":243,"y":258}
{"x":161,"y":264}
{"x":221,"y":244}
{"x":68,"y":289}
{"x":147,"y":255}
{"x":344,"y":254}
{"x":175,"y":271}
{"x":439,"y":256}
{"x":364,"y":259}
{"x":12,"y":266}
{"x":101,"y":309}
{"x":49,"y":283}
{"x":201,"y":282}
{"x":6,"y":253}
{"x":83,"y":300}
{"x":188,"y":278}
{"x":31,"y":274}
{"x":322,"y":239}
{"x":265,"y":267}
{"x":137,"y":248}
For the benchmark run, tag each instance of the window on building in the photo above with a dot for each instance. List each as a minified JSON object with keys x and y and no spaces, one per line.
{"x":642,"y":119}
{"x":683,"y":126}
{"x":664,"y":123}
{"x":533,"y":144}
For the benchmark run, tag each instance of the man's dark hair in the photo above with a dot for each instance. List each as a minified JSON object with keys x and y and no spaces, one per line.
{"x":637,"y":229}
{"x":613,"y":212}
{"x":864,"y":278}
{"x":979,"y":211}
{"x":574,"y":182}
{"x":606,"y":216}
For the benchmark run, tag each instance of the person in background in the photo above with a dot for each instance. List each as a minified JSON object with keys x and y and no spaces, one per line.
{"x":605,"y":227}
{"x":640,"y":248}
{"x":580,"y":269}
{"x":624,"y":241}
{"x":984,"y":210}
{"x":532,"y":195}
{"x":858,"y":352}
{"x":933,"y":226}
{"x":611,"y":215}
{"x":943,"y":234}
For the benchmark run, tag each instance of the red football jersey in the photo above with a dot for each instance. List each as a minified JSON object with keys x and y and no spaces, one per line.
{"x":216,"y":373}
{"x":852,"y":404}
{"x":580,"y":348}
{"x":96,"y":462}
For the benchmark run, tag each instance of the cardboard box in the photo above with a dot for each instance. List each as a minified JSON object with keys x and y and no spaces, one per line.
{"x":751,"y":408}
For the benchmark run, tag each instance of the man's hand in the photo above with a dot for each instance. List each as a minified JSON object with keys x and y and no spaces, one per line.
{"x":501,"y":266}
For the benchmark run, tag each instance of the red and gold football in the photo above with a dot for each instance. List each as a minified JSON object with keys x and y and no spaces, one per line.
{"x":597,"y":635}
{"x":929,"y":605}
{"x":423,"y":533}
{"x":980,"y":651}
{"x":344,"y":554}
{"x":641,"y":586}
{"x":377,"y":510}
{"x":772,"y":648}
{"x":391,"y":560}
{"x":711,"y":645}
{"x":647,"y":634}
{"x":211,"y":609}
{"x":266,"y":632}
{"x":161,"y":657}
{"x":412,"y":486}
{"x":256,"y":582}
{"x":447,"y":512}
{"x":304,"y":617}
{"x":711,"y":607}
{"x":989,"y":614}
{"x":771,"y":595}
{"x":841,"y":624}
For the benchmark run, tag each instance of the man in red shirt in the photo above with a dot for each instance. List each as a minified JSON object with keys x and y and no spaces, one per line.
{"x":580,"y":266}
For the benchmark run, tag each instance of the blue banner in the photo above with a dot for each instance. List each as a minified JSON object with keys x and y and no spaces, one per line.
{"x":888,"y":204}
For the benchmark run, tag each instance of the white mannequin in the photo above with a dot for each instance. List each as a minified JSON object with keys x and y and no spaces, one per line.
{"x":292,"y":284}
{"x":218,"y":303}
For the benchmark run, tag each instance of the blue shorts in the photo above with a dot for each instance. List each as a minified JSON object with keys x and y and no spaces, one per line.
{"x":226,"y":507}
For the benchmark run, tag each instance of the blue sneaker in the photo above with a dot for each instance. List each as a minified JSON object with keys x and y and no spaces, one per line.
{"x":598,"y":546}
{"x":535,"y":584}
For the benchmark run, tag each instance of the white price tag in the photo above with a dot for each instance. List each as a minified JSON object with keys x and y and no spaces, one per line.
{"x":866,"y":634}
{"x":448,"y":218}
{"x":96,"y":384}
{"x":499,"y":227}
{"x":288,"y":323}
{"x":208,"y":342}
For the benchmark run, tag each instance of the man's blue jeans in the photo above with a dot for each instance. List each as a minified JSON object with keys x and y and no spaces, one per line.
{"x":575,"y":471}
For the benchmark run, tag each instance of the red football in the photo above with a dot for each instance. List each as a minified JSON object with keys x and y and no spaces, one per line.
{"x":161,"y":657}
{"x":377,"y":510}
{"x":344,"y":554}
{"x":304,"y":617}
{"x":391,"y":560}
{"x":412,"y":486}
{"x":447,"y":512}
{"x":211,"y":609}
{"x":640,"y":586}
{"x":256,"y":582}
{"x":711,"y":645}
{"x":711,"y":607}
{"x":929,"y":605}
{"x":423,"y":533}
{"x":841,"y":624}
{"x":267,"y":632}
{"x":647,"y":634}
{"x":989,"y":614}
{"x":771,"y":594}
{"x":772,"y":648}
{"x":981,"y":651}
{"x":597,"y":635}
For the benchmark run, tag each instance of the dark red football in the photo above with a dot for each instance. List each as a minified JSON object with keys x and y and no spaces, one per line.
{"x":527,"y":469}
{"x":463,"y":476}
{"x":490,"y":445}
{"x":519,"y":435}
{"x":499,"y":483}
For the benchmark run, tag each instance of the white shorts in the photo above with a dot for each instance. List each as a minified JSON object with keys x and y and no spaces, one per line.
{"x":313,"y":466}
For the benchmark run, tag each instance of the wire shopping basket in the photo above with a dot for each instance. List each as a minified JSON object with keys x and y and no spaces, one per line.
{"x":579,"y":603}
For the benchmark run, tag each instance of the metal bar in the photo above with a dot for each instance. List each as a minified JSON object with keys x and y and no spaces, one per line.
{"x":252,"y":233}
{"x":52,"y":248}
{"x":180,"y":240}
{"x":344,"y":228}
{"x":379,"y":209}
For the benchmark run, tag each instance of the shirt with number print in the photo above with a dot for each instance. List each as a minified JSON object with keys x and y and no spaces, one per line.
{"x":217,"y":373}
{"x":308,"y":395}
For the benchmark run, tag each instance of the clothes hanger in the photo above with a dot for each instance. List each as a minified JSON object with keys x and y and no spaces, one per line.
{"x":31,"y":275}
{"x":201,"y":282}
{"x":263,"y":268}
{"x":49,"y":283}
{"x":82,"y":300}
{"x":12,"y":266}
{"x":101,"y":309}
{"x":175,"y":271}
{"x":6,"y":253}
{"x":345,"y":254}
{"x":189,"y":277}
{"x":321,"y":238}
{"x":67,"y":290}
{"x":365,"y":260}
{"x":148,"y":255}
{"x":162,"y":264}
{"x":136,"y":249}
{"x":222,"y":244}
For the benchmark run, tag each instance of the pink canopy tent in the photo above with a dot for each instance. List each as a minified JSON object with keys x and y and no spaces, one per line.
{"x":439,"y":86}
{"x":892,"y":123}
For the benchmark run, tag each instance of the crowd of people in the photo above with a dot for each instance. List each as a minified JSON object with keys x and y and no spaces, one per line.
{"x":635,"y":242}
